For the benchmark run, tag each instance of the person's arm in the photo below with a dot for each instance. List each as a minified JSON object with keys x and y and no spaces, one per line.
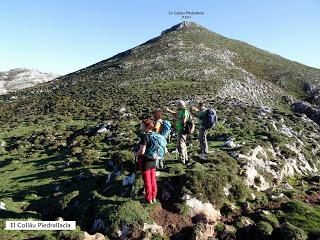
{"x":194,"y":109}
{"x":174,"y":113}
{"x":184,"y":120}
{"x":170,"y":111}
{"x":141,"y":151}
{"x":157,"y":126}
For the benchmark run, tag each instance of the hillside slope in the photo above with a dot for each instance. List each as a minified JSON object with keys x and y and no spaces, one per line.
{"x":186,"y":60}
{"x":66,"y":147}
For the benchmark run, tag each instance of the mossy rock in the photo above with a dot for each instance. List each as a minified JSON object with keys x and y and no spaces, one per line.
{"x":290,"y":232}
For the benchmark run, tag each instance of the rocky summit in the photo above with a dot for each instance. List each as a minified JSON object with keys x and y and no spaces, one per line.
{"x":185,"y":59}
{"x":19,"y":78}
{"x":66,"y":146}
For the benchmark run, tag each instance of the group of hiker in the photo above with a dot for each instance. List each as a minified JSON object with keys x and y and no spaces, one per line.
{"x":156,"y":132}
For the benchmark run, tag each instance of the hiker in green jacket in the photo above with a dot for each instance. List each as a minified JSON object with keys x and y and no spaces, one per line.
{"x":201,"y":113}
{"x":181,"y":116}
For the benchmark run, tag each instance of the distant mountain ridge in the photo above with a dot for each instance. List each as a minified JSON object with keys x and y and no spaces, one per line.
{"x":20,"y":78}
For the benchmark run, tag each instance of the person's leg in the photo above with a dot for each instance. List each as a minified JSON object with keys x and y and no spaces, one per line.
{"x":153,"y":183}
{"x":202,"y":140}
{"x":183,"y":143}
{"x":161,"y":164}
{"x":206,"y":148}
{"x":179,"y":146}
{"x":146,"y":175}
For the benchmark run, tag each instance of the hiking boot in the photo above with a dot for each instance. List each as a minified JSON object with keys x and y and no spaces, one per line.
{"x":158,"y":173}
{"x":190,"y":165}
{"x":202,"y":156}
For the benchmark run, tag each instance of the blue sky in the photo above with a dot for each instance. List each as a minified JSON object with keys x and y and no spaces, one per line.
{"x":62,"y":36}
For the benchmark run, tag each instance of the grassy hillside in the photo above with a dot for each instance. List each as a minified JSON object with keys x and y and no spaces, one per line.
{"x":185,"y":61}
{"x":57,"y":167}
{"x":54,"y":163}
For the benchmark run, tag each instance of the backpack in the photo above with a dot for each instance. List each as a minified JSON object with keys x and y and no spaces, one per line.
{"x":165,"y":129}
{"x":188,"y":127}
{"x":156,"y":146}
{"x":211,"y":118}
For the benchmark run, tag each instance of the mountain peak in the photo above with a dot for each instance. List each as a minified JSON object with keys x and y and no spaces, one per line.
{"x":185,"y":25}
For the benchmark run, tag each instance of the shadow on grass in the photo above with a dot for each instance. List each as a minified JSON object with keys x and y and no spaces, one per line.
{"x":5,"y":162}
{"x":53,"y":160}
{"x":14,"y":215}
{"x":71,"y":192}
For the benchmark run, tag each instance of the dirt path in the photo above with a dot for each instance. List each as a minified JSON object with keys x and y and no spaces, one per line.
{"x":174,"y":225}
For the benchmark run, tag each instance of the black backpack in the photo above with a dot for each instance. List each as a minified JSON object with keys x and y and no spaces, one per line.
{"x":211,"y":118}
{"x":188,"y":127}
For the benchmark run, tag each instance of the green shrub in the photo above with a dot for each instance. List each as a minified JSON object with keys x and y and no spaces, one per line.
{"x":220,"y":130}
{"x":268,"y":217}
{"x":122,"y":156}
{"x":207,"y":181}
{"x":302,"y":215}
{"x":130,"y":213}
{"x":239,"y":190}
{"x":220,"y":227}
{"x":287,"y":153}
{"x":71,"y":235}
{"x":197,"y":229}
{"x":89,"y":156}
{"x":68,"y":197}
{"x":184,"y":209}
{"x":291,"y":232}
{"x":263,"y":230}
{"x":242,"y":222}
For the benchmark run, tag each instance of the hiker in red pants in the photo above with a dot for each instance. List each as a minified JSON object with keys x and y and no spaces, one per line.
{"x":147,"y":166}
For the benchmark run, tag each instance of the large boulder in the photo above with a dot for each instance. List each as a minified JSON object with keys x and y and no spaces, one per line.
{"x":96,"y":236}
{"x":203,"y":210}
{"x":312,"y":112}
